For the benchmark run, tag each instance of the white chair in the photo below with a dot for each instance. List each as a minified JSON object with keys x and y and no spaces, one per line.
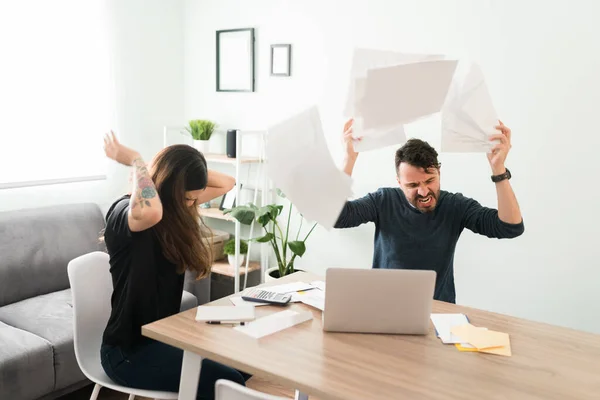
{"x":91,"y":288}
{"x":228,"y":390}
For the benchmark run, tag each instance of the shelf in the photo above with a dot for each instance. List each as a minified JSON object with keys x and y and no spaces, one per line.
{"x":215,"y":213}
{"x":223,"y":159}
{"x":222,"y":267}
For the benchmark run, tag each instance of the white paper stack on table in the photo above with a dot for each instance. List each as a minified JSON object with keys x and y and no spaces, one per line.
{"x":468,"y":115}
{"x":299,"y":163}
{"x":389,"y":89}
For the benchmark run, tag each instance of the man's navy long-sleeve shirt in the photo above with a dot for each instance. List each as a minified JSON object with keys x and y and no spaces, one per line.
{"x":406,"y":238}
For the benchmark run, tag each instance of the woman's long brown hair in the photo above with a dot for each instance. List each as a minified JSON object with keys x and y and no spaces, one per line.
{"x":181,"y":232}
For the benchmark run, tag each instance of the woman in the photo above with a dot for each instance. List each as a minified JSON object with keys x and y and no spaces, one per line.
{"x":153,"y":235}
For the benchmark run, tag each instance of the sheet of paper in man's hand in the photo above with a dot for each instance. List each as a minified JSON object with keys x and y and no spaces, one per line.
{"x":299,"y":163}
{"x":364,"y":60}
{"x":468,"y":115}
{"x":405,"y":93}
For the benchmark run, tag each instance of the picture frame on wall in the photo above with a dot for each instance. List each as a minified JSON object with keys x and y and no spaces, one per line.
{"x":235,"y":60}
{"x":281,"y":59}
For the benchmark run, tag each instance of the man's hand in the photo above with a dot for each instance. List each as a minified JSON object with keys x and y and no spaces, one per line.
{"x":499,"y":152}
{"x":349,"y":140}
{"x":351,"y":154}
{"x":116,"y":151}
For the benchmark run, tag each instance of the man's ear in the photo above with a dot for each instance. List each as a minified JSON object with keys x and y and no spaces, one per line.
{"x":398,"y":180}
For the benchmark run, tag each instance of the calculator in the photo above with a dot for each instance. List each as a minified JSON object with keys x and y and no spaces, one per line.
{"x":264,"y":296}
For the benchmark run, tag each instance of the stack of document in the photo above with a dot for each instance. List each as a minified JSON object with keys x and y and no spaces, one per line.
{"x":456,"y":329}
{"x":482,"y":340}
{"x":299,"y":163}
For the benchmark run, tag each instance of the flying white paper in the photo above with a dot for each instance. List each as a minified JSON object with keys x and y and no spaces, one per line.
{"x":404,"y":93}
{"x":380,"y":139}
{"x":364,"y":60}
{"x":299,"y":163}
{"x":468,"y":115}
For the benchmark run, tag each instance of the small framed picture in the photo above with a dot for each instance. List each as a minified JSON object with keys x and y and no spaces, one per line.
{"x":281,"y":59}
{"x":228,"y":200}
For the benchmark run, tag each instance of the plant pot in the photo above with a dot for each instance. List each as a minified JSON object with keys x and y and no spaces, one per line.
{"x":273,"y":273}
{"x":202,"y":146}
{"x":231,"y":259}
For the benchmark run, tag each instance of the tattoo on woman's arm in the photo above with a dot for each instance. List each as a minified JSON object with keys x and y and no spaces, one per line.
{"x":145,"y":189}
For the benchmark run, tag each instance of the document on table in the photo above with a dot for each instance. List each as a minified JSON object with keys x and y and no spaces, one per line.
{"x":238,"y":301}
{"x":404,"y":93}
{"x":290,"y":287}
{"x":484,"y":340}
{"x":443,"y":324}
{"x":468,"y":115}
{"x":274,"y":323}
{"x":224,"y":313}
{"x":314,"y":298}
{"x":299,"y":163}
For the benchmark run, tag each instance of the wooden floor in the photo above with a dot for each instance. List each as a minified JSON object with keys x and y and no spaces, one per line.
{"x":107,"y":394}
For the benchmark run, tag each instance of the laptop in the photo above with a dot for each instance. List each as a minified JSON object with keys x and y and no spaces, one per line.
{"x":394,"y":301}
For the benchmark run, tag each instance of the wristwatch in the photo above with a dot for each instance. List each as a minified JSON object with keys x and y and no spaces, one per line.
{"x":501,"y":177}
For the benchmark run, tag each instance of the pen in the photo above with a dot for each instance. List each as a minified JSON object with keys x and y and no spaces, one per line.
{"x":225,"y":322}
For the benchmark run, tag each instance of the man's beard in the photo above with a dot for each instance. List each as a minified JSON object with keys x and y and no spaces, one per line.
{"x":429,"y":205}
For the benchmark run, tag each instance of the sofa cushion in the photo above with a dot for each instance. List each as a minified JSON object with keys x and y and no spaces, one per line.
{"x":50,"y":317}
{"x":36,"y":246}
{"x":26,"y":370}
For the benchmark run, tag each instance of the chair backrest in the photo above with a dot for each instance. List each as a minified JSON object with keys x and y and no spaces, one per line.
{"x":91,"y":288}
{"x":228,"y":390}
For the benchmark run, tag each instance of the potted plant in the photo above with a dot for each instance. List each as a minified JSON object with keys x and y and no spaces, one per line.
{"x":201,"y":130}
{"x":229,"y":249}
{"x":286,"y":248}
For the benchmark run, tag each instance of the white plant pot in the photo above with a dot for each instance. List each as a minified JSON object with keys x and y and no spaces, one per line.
{"x":231,"y":259}
{"x":202,"y":146}
{"x":268,"y":277}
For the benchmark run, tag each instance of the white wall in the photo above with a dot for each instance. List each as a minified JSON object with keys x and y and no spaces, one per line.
{"x":147,"y":44}
{"x":541,"y":67}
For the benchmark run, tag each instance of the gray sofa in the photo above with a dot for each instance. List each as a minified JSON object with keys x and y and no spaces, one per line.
{"x":37,"y":357}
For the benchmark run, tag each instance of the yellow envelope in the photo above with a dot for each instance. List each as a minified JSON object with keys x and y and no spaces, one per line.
{"x":484,"y":341}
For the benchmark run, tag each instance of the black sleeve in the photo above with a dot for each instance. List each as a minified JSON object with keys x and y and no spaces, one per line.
{"x":485,"y":221}
{"x":117,"y":231}
{"x":360,"y":211}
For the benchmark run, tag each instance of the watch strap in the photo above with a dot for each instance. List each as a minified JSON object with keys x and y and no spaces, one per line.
{"x":501,"y":177}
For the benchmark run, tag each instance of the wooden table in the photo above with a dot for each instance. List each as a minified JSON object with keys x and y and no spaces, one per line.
{"x":548,"y":362}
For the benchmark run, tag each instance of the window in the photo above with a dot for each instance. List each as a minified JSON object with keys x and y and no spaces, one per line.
{"x":56,"y":91}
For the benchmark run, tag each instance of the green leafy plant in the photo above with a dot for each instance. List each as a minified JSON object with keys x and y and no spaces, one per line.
{"x":201,"y":129}
{"x":229,"y":248}
{"x":267,"y":217}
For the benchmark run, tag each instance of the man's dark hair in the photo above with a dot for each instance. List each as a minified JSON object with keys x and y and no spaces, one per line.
{"x":417,"y":153}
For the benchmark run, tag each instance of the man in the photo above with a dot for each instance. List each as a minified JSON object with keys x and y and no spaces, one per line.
{"x":418,"y":225}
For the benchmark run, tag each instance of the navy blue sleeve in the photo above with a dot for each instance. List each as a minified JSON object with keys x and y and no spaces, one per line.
{"x":360,"y":211}
{"x":485,"y":221}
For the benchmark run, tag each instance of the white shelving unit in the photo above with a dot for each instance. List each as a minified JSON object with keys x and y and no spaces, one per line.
{"x":261,"y":185}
